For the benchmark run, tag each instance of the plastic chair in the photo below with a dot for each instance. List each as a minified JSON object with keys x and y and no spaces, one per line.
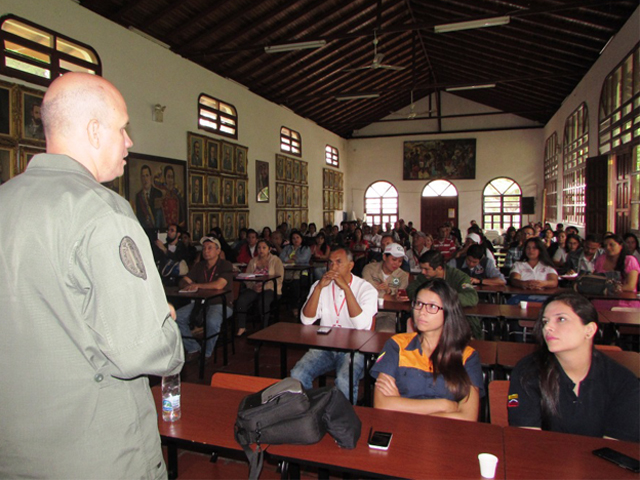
{"x":498,"y":397}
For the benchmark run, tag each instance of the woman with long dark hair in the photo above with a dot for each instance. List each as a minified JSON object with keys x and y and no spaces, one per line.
{"x":633,"y":246}
{"x":535,"y":269}
{"x":433,"y":371}
{"x":618,"y":265}
{"x":568,"y":386}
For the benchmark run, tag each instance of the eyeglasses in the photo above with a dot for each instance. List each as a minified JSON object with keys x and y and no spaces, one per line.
{"x":431,"y":308}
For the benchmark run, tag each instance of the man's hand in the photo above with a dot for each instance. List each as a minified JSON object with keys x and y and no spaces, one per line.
{"x":192,"y":287}
{"x":475,"y":281}
{"x":327,"y":278}
{"x":172,"y":311}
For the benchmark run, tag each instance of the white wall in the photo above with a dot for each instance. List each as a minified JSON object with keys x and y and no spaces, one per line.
{"x":147,"y":74}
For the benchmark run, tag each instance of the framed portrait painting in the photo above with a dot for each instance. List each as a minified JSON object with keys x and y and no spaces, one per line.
{"x":7,"y":164}
{"x":241,"y":193}
{"x":296,"y":195}
{"x":117,"y":185}
{"x":213,"y":155}
{"x":279,"y":217}
{"x":279,"y":167}
{"x":241,"y":159}
{"x":7,"y":114}
{"x":242,"y":220}
{"x":197,"y":225}
{"x":213,"y":220}
{"x":227,"y":192}
{"x":280,"y":195}
{"x":304,"y":197}
{"x":26,"y":154}
{"x":296,"y":171}
{"x":196,"y":188}
{"x":226,"y":164}
{"x":32,"y":130}
{"x":288,"y":195}
{"x":288,"y":169}
{"x":304,"y":173}
{"x":296,"y":219}
{"x":228,"y":226}
{"x":262,"y":181}
{"x":195,"y":152}
{"x":213,"y":190}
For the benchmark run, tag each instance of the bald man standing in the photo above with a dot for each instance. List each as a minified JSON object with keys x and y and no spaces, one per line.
{"x":84,"y":316}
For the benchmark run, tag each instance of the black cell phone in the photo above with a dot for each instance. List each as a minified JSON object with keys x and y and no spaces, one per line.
{"x":380,"y":440}
{"x":324,"y":331}
{"x":619,"y":458}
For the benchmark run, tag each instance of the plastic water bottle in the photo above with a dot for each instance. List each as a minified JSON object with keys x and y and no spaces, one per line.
{"x":171,"y":398}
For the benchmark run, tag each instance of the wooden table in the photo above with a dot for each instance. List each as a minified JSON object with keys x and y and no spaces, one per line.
{"x":206,"y":296}
{"x":422,"y":447}
{"x":294,"y":334}
{"x":620,"y":318}
{"x":549,"y":455}
{"x":208,"y":418}
{"x":391,"y":304}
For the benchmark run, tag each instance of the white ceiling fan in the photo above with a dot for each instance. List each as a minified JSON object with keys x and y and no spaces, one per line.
{"x":377,"y":60}
{"x":412,"y":111}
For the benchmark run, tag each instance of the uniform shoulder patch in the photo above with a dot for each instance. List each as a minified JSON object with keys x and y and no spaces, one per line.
{"x":513,"y":401}
{"x":131,"y":258}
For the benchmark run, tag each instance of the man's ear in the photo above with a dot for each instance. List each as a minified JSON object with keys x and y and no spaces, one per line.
{"x":93,"y":133}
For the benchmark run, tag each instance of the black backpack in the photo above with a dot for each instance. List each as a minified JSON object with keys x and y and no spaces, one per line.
{"x":286,"y":413}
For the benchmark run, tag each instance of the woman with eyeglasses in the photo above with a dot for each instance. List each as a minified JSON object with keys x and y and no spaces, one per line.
{"x":433,"y":371}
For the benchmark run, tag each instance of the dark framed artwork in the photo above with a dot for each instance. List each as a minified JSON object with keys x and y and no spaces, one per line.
{"x":288,"y":169}
{"x":228,"y":226}
{"x":213,"y":220}
{"x":213,"y":190}
{"x":195,"y":146}
{"x":431,"y":159}
{"x":226,"y":164}
{"x":156,"y":189}
{"x":26,"y":154}
{"x":31,"y":129}
{"x":7,"y":164}
{"x":288,"y":217}
{"x":241,"y":193}
{"x":7,"y":111}
{"x":242,"y":220}
{"x":227,"y":192}
{"x":262,"y":181}
{"x":279,"y":167}
{"x":213,"y":155}
{"x":197,"y":226}
{"x":304,"y":197}
{"x":196,"y":188}
{"x":241,"y":160}
{"x":280,"y":195}
{"x":296,"y":219}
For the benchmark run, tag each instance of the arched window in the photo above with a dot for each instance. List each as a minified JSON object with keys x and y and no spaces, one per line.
{"x":439,"y":188}
{"x":381,"y":203}
{"x":40,"y":55}
{"x":574,"y":162}
{"x":501,"y":204}
{"x":217,"y":116}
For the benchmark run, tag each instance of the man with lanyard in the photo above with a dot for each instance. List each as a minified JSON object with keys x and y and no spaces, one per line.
{"x":340,"y":300}
{"x":433,"y":265}
{"x":211,"y":273}
{"x":418,"y":249}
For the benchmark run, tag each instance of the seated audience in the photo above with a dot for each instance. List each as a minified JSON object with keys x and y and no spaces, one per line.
{"x":374,"y":238}
{"x":445,"y":243}
{"x":193,"y":255}
{"x":619,"y":266}
{"x":583,"y":260}
{"x":422,"y":243}
{"x":295,"y":254}
{"x":515,"y":249}
{"x":360,"y":249}
{"x":266,"y":234}
{"x":558,"y":246}
{"x":338,"y":299}
{"x":248,"y":249}
{"x":277,"y":242}
{"x":214,"y":273}
{"x":481,"y":269}
{"x":561,"y":257}
{"x":535,"y":269}
{"x":568,"y":386}
{"x":320,"y":251}
{"x":173,"y":249}
{"x":433,"y":371}
{"x":264,"y":263}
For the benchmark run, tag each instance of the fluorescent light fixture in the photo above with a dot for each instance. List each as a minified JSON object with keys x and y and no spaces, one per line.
{"x":292,"y":47}
{"x":471,"y":24}
{"x":356,"y":96}
{"x":150,"y":38}
{"x":471,"y":87}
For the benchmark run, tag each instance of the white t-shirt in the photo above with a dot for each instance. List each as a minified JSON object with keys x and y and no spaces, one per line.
{"x":539,"y":272}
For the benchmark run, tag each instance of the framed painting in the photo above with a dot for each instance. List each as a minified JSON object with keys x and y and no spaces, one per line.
{"x":213,"y":190}
{"x":196,"y":188}
{"x":7,"y":164}
{"x":304,"y":197}
{"x":242,"y":220}
{"x":226,"y":164}
{"x":296,"y":219}
{"x":117,"y":185}
{"x":156,"y":188}
{"x":325,"y":199}
{"x":304,"y":216}
{"x":296,"y":171}
{"x":340,"y":180}
{"x":304,"y":173}
{"x":213,"y":220}
{"x":262,"y":181}
{"x":227,"y":192}
{"x":325,"y":178}
{"x":296,"y":196}
{"x":7,"y":113}
{"x":279,"y":167}
{"x":197,"y":226}
{"x":280,"y":195}
{"x":26,"y":154}
{"x":241,"y":159}
{"x":195,"y":150}
{"x":241,"y":193}
{"x":431,"y":159}
{"x":213,"y":155}
{"x":340,"y":201}
{"x":228,"y":226}
{"x":279,"y":217}
{"x":288,"y":195}
{"x":288,"y":169}
{"x":31,"y":129}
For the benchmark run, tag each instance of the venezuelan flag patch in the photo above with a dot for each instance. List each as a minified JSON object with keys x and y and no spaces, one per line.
{"x":512,"y":400}
{"x":380,"y":356}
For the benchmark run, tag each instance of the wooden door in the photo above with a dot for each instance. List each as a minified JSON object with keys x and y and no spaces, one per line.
{"x":434,"y":211}
{"x":623,"y":192}
{"x":597,"y":186}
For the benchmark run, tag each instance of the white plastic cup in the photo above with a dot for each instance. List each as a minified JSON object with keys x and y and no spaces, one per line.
{"x":488,"y":464}
{"x":380,"y":302}
{"x":523,"y":305}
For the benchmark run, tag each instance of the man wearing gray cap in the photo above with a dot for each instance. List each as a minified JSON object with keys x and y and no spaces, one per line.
{"x":212,"y":272}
